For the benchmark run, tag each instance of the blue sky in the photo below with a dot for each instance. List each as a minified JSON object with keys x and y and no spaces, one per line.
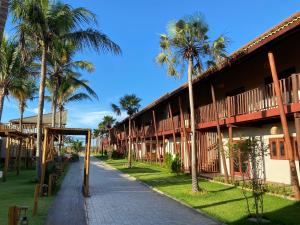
{"x":135,"y":25}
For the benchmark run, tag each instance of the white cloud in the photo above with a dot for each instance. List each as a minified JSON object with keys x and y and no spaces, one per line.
{"x":33,"y":110}
{"x":80,"y":118}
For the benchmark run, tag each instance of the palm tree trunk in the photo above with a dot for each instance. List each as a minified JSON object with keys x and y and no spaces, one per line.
{"x":3,"y":16}
{"x":2,"y":95}
{"x":21,"y":108}
{"x":129,"y":145}
{"x":54,"y":103}
{"x":60,"y":125}
{"x":40,"y":111}
{"x":195,"y":186}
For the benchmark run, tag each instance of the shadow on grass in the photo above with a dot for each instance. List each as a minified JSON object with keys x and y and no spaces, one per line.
{"x":135,"y":170}
{"x":219,"y":203}
{"x":288,"y":215}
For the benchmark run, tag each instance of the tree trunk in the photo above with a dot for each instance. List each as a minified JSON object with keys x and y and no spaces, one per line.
{"x":287,"y":138}
{"x":129,"y":145}
{"x":60,"y":125}
{"x":18,"y":158}
{"x":220,"y":142}
{"x":195,"y":186}
{"x":2,"y":95}
{"x":40,"y":111}
{"x":54,"y":104}
{"x":3,"y":15}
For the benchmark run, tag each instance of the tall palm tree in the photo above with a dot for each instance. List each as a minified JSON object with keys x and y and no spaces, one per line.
{"x":61,"y":63}
{"x":47,"y":22}
{"x":186,"y":44}
{"x":130,"y":104}
{"x":23,"y":90}
{"x":4,"y":5}
{"x":9,"y":68}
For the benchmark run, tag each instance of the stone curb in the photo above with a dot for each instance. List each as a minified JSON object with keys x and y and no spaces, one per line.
{"x":128,"y":176}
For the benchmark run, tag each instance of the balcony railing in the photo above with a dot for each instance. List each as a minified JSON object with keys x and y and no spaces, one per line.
{"x":256,"y":100}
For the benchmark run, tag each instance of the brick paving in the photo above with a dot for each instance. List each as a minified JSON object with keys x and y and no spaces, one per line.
{"x":117,"y":200}
{"x":68,"y":207}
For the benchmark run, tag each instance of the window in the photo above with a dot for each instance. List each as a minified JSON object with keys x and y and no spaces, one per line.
{"x":277,"y":148}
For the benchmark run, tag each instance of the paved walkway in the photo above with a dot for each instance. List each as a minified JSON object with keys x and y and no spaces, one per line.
{"x":68,"y":207}
{"x":118,"y":200}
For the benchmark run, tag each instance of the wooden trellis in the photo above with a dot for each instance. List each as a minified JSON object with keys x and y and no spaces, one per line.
{"x":48,"y":152}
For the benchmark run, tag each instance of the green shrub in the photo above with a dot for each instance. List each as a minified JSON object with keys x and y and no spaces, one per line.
{"x":176,"y":165}
{"x":75,"y":157}
{"x":168,"y":161}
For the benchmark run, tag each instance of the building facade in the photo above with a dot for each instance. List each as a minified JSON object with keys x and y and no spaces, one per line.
{"x":240,"y":97}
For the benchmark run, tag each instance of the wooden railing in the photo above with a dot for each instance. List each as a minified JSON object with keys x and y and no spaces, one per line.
{"x":255,"y":100}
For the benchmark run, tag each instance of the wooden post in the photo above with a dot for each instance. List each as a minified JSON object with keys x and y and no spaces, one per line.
{"x":36,"y":199}
{"x":173,"y":128}
{"x":151,"y":149}
{"x":156,"y":135}
{"x":230,"y":135}
{"x":220,"y":142}
{"x":287,"y":138}
{"x":7,"y":156}
{"x":44,"y":154}
{"x":13,"y":215}
{"x":295,"y":88}
{"x":50,"y":182}
{"x":184,"y":136}
{"x":87,"y":165}
{"x":18,"y":156}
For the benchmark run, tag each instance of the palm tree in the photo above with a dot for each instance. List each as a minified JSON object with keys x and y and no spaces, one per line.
{"x":47,"y":22}
{"x":61,"y":64}
{"x":103,"y":130}
{"x":3,"y":15}
{"x":9,"y":68}
{"x":130,"y":104}
{"x":23,"y":90}
{"x":186,"y":44}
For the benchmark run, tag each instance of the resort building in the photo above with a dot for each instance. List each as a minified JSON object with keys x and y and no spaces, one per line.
{"x":246,"y":105}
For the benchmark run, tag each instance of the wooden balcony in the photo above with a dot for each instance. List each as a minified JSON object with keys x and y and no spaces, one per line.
{"x":254,"y":104}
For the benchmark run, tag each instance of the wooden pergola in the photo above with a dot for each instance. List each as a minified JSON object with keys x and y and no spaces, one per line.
{"x":11,"y":134}
{"x":49,"y":133}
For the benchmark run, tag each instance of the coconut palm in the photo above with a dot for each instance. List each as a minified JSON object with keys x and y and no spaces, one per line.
{"x":23,"y":90}
{"x":61,"y":64}
{"x":3,"y":15}
{"x":47,"y":22}
{"x":9,"y":68}
{"x":130,"y":104}
{"x":186,"y":44}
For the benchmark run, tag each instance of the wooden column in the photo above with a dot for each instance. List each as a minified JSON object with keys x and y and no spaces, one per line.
{"x":7,"y":156}
{"x":295,"y":88}
{"x":287,"y":138}
{"x":297,"y":126}
{"x":44,"y":154}
{"x":220,"y":142}
{"x":173,"y":128}
{"x":230,"y":135}
{"x":87,"y":164}
{"x":183,"y":131}
{"x":151,"y":149}
{"x":156,"y":135}
{"x":18,"y":156}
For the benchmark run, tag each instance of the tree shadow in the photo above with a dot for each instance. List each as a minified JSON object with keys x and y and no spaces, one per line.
{"x":219,"y":203}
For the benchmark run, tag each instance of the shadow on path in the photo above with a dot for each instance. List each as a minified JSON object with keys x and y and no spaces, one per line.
{"x":68,"y":207}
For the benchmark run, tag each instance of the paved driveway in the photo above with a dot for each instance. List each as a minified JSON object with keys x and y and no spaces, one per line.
{"x":117,"y":200}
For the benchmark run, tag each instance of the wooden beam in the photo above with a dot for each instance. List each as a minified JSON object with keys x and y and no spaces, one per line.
{"x":287,"y":138}
{"x":173,"y":128}
{"x":183,"y":128}
{"x":220,"y":141}
{"x":7,"y":156}
{"x":87,"y":165}
{"x":230,"y":135}
{"x":156,"y":135}
{"x":44,"y":154}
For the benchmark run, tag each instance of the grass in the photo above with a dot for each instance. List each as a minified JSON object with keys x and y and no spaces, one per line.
{"x":225,"y":203}
{"x":19,"y":190}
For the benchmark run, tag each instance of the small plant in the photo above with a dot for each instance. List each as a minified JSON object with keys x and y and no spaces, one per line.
{"x":117,"y":154}
{"x":176,"y":165}
{"x":168,"y":161}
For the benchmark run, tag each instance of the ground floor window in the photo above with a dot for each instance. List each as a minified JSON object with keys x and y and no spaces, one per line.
{"x":278,"y":148}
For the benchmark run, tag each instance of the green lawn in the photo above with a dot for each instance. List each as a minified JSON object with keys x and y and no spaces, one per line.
{"x":19,"y":190}
{"x":223,"y":202}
